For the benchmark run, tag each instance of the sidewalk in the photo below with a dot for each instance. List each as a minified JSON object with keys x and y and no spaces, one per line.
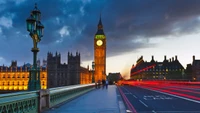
{"x":96,"y":101}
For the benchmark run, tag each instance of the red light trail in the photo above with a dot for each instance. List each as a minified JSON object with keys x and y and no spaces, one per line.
{"x":169,"y":87}
{"x":141,"y":70}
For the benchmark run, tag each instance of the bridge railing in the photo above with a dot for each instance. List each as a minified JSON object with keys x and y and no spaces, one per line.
{"x":38,"y":101}
{"x":63,"y":94}
{"x":23,"y":102}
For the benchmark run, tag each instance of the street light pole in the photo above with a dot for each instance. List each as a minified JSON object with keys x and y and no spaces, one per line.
{"x":35,"y":27}
{"x":93,"y":65}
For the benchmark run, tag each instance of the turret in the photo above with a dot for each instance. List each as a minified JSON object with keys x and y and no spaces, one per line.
{"x":152,"y":59}
{"x":176,"y":58}
{"x":193,"y":58}
{"x":14,"y":63}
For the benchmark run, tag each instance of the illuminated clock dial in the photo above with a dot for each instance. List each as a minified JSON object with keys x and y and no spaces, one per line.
{"x":99,"y":42}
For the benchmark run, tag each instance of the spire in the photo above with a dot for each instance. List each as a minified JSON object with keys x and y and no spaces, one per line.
{"x":100,"y":27}
{"x":100,"y":23}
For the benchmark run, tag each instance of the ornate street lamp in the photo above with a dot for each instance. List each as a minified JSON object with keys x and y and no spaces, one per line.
{"x":35,"y":27}
{"x":93,"y":65}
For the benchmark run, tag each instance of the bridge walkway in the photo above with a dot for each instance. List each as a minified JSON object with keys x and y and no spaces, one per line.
{"x":96,"y":101}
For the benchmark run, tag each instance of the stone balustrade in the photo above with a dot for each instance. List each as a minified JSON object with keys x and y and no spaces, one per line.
{"x":38,"y":101}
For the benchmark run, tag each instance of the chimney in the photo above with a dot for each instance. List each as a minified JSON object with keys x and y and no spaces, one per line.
{"x":193,"y":58}
{"x":172,"y":59}
{"x":176,"y":57}
{"x":165,"y":57}
{"x":152,"y":57}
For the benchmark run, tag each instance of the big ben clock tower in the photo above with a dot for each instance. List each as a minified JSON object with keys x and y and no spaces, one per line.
{"x":100,"y":53}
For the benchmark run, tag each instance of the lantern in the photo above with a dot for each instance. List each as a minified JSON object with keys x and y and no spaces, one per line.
{"x":93,"y":65}
{"x":40,"y":28}
{"x":31,"y":24}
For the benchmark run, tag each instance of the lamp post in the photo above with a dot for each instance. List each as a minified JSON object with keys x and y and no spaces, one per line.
{"x":93,"y":65}
{"x":35,"y":27}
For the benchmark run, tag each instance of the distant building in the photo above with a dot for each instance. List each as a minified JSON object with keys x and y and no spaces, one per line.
{"x":114,"y":77}
{"x":38,"y":63}
{"x":195,"y":69}
{"x":188,"y":72}
{"x":168,"y":69}
{"x":15,"y":77}
{"x":66,"y":74}
{"x":44,"y":63}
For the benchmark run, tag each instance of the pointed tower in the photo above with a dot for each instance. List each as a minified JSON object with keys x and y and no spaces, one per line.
{"x":100,"y":53}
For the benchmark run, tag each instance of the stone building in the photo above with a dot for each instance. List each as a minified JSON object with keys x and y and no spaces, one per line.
{"x":85,"y":75}
{"x":195,"y":69}
{"x":114,"y":77}
{"x":53,"y":73}
{"x":168,"y":69}
{"x":66,"y":74}
{"x":15,"y":77}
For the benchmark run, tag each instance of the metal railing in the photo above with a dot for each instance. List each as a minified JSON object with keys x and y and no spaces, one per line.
{"x":23,"y":102}
{"x":38,"y":101}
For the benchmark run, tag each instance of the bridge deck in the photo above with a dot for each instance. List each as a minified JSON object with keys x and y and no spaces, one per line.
{"x":96,"y":101}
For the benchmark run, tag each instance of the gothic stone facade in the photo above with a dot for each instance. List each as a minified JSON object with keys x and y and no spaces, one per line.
{"x":65,"y":74}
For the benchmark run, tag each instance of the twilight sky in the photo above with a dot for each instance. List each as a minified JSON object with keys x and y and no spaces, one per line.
{"x":132,"y":27}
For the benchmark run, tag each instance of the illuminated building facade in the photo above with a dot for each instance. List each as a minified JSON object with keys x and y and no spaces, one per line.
{"x":85,"y":76}
{"x":16,"y":77}
{"x":100,"y":53}
{"x":66,"y":74}
{"x":168,"y":69}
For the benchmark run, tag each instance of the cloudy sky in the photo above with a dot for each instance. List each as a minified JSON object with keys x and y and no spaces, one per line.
{"x":132,"y":27}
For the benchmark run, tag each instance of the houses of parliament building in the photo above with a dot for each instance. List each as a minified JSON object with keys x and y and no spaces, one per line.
{"x":66,"y":74}
{"x":52,"y":73}
{"x":15,"y":77}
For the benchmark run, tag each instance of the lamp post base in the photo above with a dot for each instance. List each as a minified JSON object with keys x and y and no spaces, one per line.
{"x":34,"y":73}
{"x":34,"y":82}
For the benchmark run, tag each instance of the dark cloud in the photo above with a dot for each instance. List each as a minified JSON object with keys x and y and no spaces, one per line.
{"x":124,"y":22}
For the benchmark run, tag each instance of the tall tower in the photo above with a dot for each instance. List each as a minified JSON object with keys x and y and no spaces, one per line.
{"x":100,"y":53}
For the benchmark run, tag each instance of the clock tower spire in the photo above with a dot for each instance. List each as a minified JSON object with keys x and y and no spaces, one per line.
{"x":100,"y":53}
{"x":100,"y":27}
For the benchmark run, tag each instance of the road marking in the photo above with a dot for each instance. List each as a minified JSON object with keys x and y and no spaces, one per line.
{"x":174,"y":95}
{"x":128,"y":111}
{"x":127,"y":90}
{"x":153,"y":111}
{"x":130,"y":106}
{"x":127,"y":93}
{"x":156,"y":97}
{"x":134,"y":96}
{"x":143,"y":103}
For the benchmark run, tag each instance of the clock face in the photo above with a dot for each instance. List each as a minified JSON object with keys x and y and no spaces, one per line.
{"x":99,"y":42}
